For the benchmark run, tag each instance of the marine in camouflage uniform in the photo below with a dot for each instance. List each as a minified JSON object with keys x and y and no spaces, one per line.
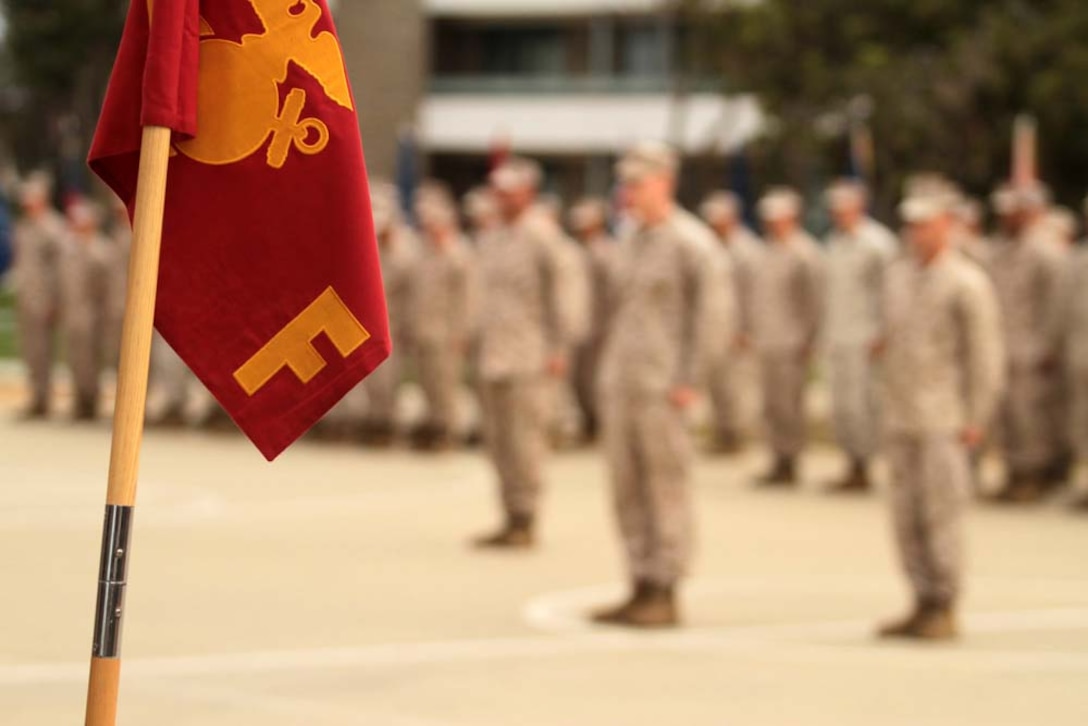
{"x":481,"y":211}
{"x":86,"y":263}
{"x":522,"y":345}
{"x":733,"y":379}
{"x":1043,"y":225}
{"x":858,"y":253}
{"x":121,"y":244}
{"x":789,"y":308}
{"x":968,"y":237}
{"x":668,"y":305}
{"x":576,"y":310}
{"x":397,"y":248}
{"x":1068,"y":338}
{"x":172,"y":381}
{"x":944,"y":374}
{"x":589,"y":223}
{"x":1026,"y":268}
{"x":37,"y":241}
{"x":441,"y":311}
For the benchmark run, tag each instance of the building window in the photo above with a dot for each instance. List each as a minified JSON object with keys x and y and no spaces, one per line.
{"x":645,"y":50}
{"x":502,"y":50}
{"x":528,"y":51}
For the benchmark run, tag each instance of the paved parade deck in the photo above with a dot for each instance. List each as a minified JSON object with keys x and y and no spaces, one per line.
{"x":335,"y":587}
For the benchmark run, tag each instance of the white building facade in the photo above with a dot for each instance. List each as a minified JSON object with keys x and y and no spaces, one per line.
{"x":571,"y":82}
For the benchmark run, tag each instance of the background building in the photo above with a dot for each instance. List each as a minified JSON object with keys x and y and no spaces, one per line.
{"x":570,"y":82}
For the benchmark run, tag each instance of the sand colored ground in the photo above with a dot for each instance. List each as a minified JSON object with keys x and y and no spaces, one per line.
{"x":335,"y":587}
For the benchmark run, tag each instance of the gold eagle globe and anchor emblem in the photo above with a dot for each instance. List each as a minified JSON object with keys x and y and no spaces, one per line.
{"x":239,"y":87}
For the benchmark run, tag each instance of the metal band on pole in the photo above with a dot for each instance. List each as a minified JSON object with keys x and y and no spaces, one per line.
{"x":112,"y":582}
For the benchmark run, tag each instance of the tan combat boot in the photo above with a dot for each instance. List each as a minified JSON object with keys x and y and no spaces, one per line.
{"x":86,"y":409}
{"x":617,"y":614}
{"x":379,"y":435}
{"x":1021,"y":487}
{"x":938,"y":622}
{"x":782,"y":474}
{"x":171,"y":418}
{"x":855,"y":481}
{"x":1029,"y":490}
{"x":36,"y":411}
{"x":657,"y":609}
{"x":517,"y":534}
{"x":904,"y":626}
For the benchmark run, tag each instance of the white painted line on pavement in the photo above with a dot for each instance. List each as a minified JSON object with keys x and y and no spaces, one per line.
{"x":372,"y":656}
{"x":764,"y":642}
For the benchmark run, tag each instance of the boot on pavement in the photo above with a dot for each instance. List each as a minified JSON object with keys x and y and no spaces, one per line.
{"x":782,"y":473}
{"x":617,"y":614}
{"x":855,"y":481}
{"x":903,"y":627}
{"x":36,"y":411}
{"x":656,"y":609}
{"x":937,"y":622}
{"x":516,"y":534}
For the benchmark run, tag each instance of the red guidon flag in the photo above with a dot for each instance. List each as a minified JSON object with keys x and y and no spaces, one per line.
{"x":269,"y":285}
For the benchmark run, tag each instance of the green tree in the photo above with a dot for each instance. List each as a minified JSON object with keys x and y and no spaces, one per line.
{"x":60,"y":53}
{"x":944,"y":81}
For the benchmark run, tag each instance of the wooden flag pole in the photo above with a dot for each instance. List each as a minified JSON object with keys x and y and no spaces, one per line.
{"x":128,"y":425}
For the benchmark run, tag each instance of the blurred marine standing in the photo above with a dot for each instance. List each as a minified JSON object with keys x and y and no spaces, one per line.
{"x":733,"y":380}
{"x":789,"y":307}
{"x":944,"y":372}
{"x":397,"y":249}
{"x":440,"y":315}
{"x":523,"y":344}
{"x":38,"y":239}
{"x":1069,"y":348}
{"x":589,"y":223}
{"x":86,"y":267}
{"x":858,"y":253}
{"x":1026,"y":268}
{"x":120,"y":234}
{"x":667,"y":305}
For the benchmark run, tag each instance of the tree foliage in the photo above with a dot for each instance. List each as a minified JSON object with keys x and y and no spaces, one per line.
{"x":61,"y":53}
{"x":944,"y":81}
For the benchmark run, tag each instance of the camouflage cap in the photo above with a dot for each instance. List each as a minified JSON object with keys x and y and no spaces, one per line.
{"x":720,"y":205}
{"x":926,"y":207}
{"x":84,"y":213}
{"x":645,"y":159}
{"x":385,"y":205}
{"x":969,"y":211}
{"x":435,"y":208}
{"x":846,"y":194}
{"x":517,"y":173}
{"x":1033,"y":196}
{"x":589,"y":213}
{"x":36,"y":185}
{"x":780,"y":203}
{"x":479,"y":203}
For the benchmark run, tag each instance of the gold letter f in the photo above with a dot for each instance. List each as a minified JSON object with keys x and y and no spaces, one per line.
{"x":293,"y":347}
